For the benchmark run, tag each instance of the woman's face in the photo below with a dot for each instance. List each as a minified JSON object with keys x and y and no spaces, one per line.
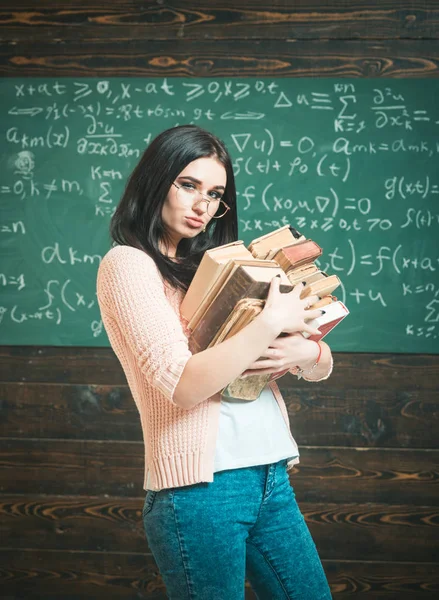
{"x":182,"y":216}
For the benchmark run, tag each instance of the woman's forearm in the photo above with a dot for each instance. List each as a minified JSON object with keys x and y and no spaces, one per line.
{"x":208,"y":372}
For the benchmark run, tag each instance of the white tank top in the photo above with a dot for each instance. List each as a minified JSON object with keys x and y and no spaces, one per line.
{"x":252,"y":433}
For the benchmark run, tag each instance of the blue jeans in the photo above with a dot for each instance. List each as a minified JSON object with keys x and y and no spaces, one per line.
{"x":207,"y":538}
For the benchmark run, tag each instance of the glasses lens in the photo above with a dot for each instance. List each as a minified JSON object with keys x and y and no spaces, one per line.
{"x":216,"y":209}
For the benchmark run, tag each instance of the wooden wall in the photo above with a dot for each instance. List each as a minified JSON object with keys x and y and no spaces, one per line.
{"x":72,"y":452}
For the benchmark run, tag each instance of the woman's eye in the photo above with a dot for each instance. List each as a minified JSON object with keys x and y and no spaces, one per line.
{"x":215,"y":195}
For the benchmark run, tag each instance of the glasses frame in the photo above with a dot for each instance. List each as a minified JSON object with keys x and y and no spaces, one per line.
{"x":207,"y":200}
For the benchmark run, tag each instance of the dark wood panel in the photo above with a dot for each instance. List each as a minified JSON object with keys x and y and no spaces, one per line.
{"x":225,"y":19}
{"x":52,"y":575}
{"x":367,"y":475}
{"x":33,"y":574}
{"x":319,"y":416}
{"x":360,"y":531}
{"x":341,"y":475}
{"x":68,"y":411}
{"x":386,"y":580}
{"x":374,"y":532}
{"x":93,"y":366}
{"x":217,"y":58}
{"x":329,"y":416}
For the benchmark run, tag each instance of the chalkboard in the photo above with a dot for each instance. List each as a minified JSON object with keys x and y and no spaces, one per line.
{"x":352,"y":164}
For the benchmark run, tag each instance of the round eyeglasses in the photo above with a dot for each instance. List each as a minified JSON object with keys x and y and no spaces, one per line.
{"x":187,"y":193}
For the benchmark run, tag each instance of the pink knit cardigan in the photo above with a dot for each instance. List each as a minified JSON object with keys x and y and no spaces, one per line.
{"x":141,"y":316}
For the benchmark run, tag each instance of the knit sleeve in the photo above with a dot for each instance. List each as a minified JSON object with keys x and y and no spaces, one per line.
{"x":130,"y":291}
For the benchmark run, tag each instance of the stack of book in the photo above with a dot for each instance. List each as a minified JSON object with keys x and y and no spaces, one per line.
{"x":231,"y":284}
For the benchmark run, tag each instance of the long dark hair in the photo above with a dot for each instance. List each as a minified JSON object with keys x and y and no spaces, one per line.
{"x":137,"y":220}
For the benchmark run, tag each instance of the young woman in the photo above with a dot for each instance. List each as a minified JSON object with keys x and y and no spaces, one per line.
{"x":219,"y":505}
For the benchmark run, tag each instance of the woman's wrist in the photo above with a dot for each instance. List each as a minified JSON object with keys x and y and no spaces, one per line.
{"x":324,"y":368}
{"x":306,"y":368}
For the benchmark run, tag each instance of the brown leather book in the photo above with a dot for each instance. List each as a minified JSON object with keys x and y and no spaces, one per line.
{"x":246,"y":281}
{"x":222,"y":277}
{"x":297,"y":255}
{"x":243,"y":313}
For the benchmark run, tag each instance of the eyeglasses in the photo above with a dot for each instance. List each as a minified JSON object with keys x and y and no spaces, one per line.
{"x":216,"y":207}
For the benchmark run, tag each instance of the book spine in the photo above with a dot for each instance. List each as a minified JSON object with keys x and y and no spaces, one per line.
{"x":205,"y":275}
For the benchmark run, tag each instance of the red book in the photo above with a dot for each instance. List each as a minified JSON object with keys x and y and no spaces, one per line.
{"x":334,"y":313}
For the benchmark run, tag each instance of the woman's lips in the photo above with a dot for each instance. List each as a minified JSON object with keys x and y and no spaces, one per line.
{"x":195,"y":223}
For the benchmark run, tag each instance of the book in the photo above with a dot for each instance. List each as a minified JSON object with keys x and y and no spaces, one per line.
{"x":321,"y":284}
{"x":209,"y":269}
{"x":223,"y":275}
{"x":301,"y":273}
{"x":334,"y":313}
{"x":297,"y":255}
{"x":245,"y":388}
{"x":265,"y":245}
{"x":244,"y":281}
{"x":323,"y":302}
{"x":244,"y":312}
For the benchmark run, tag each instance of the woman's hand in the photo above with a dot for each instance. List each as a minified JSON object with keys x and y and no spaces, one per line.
{"x":285,"y":352}
{"x":288,"y":312}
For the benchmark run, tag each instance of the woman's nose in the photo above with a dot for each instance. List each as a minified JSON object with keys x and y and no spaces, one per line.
{"x":200,"y":206}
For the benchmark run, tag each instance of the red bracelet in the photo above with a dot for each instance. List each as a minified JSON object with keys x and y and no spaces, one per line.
{"x":319,"y":356}
{"x":300,"y":371}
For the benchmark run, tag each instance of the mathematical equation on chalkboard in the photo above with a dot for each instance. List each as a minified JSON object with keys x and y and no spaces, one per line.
{"x":351,"y":164}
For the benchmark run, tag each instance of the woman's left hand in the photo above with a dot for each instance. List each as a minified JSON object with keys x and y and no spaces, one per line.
{"x":286,"y":352}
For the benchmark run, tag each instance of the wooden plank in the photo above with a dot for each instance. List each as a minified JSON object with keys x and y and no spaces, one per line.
{"x":382,"y":581}
{"x":52,"y":575}
{"x":367,"y":475}
{"x":35,"y":574}
{"x":363,"y":417}
{"x":218,"y":58}
{"x":69,"y":411}
{"x":226,"y":19}
{"x":361,"y":531}
{"x":322,"y":416}
{"x":93,"y":366}
{"x":341,"y":475}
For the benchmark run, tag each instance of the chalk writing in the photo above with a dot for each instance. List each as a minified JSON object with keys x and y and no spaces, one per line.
{"x":351,"y":164}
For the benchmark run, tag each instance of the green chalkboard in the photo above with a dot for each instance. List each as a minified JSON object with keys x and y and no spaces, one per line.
{"x":352,"y":164}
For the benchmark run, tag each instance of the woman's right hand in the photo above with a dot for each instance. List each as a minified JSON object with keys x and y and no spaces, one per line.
{"x":288,"y":312}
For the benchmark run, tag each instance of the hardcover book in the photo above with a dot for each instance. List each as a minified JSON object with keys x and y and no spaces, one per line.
{"x":334,"y":313}
{"x":245,"y":281}
{"x":297,"y":255}
{"x":209,"y":269}
{"x":267,"y":245}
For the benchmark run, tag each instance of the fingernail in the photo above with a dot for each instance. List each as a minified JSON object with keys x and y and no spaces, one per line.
{"x":323,"y":312}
